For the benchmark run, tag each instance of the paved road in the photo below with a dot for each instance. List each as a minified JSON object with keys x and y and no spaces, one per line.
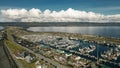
{"x":5,"y":59}
{"x":4,"y":62}
{"x":46,"y":59}
{"x":58,"y":65}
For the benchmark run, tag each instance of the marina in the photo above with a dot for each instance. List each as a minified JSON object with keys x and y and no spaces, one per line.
{"x":60,"y":34}
{"x":84,"y":48}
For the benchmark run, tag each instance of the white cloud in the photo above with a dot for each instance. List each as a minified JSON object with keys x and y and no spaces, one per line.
{"x":69,"y":15}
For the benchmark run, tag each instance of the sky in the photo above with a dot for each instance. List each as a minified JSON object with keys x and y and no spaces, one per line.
{"x":60,"y":10}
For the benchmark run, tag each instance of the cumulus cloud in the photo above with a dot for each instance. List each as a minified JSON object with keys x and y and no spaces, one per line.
{"x":69,"y":15}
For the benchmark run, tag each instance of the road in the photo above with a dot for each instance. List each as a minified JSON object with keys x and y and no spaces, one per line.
{"x":41,"y":57}
{"x":6,"y":60}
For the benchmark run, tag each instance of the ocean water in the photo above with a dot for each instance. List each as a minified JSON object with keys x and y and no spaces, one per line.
{"x":101,"y":30}
{"x":1,"y":27}
{"x":109,"y":31}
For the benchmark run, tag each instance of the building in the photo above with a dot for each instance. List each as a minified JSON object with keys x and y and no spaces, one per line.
{"x":29,"y":59}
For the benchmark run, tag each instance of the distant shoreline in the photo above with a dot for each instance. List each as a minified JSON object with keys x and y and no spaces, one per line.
{"x":47,"y":24}
{"x":22,"y":31}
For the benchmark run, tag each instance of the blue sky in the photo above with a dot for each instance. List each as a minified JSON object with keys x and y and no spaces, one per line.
{"x":98,"y":6}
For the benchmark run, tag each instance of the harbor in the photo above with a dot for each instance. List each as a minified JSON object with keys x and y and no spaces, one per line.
{"x":67,"y":49}
{"x":90,"y":50}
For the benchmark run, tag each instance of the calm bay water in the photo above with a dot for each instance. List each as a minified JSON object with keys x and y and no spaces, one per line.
{"x":102,"y":31}
{"x":109,"y":31}
{"x":1,"y":27}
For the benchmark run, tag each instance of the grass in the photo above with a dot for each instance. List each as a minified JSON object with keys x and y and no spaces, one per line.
{"x":21,"y":32}
{"x":27,"y":65}
{"x":101,"y":39}
{"x":13,"y":47}
{"x":16,"y":47}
